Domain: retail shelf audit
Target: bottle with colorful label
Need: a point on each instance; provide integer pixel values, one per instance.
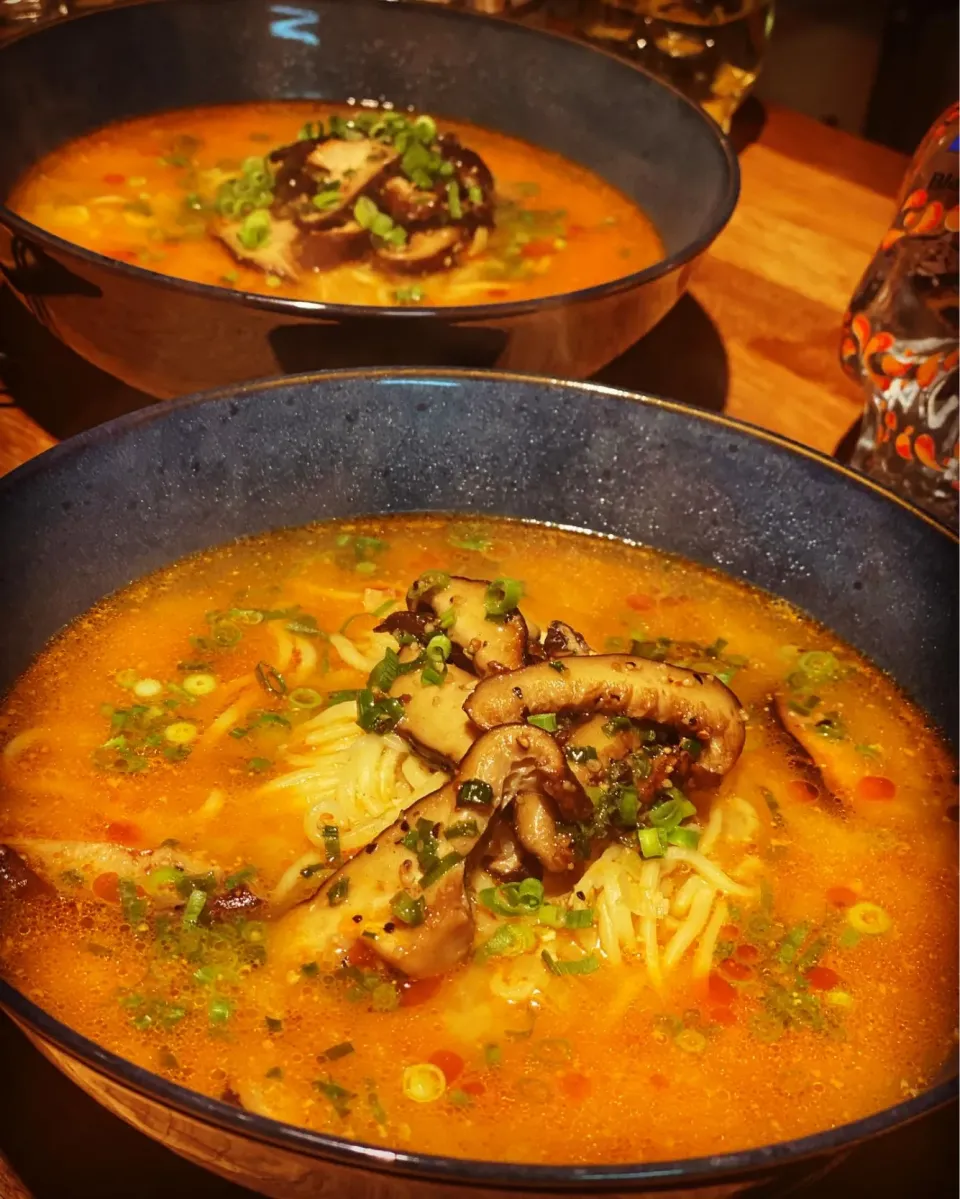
(900, 335)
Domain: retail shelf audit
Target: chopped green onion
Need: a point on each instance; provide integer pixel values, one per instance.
(669, 813)
(331, 843)
(270, 679)
(377, 715)
(335, 1052)
(463, 828)
(305, 697)
(509, 941)
(430, 580)
(339, 1096)
(255, 230)
(385, 673)
(365, 212)
(126, 678)
(442, 866)
(243, 875)
(577, 753)
(424, 1082)
(425, 128)
(274, 1025)
(147, 688)
(474, 793)
(163, 876)
(338, 892)
(493, 1055)
(791, 943)
(454, 206)
(219, 1010)
(628, 805)
(327, 199)
(407, 909)
(513, 899)
(191, 913)
(688, 838)
(820, 666)
(546, 721)
(134, 909)
(650, 844)
(579, 918)
(551, 915)
(691, 746)
(180, 732)
(502, 597)
(869, 918)
(585, 965)
(200, 684)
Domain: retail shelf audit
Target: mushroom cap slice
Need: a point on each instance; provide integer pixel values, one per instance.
(276, 256)
(434, 721)
(365, 885)
(85, 861)
(536, 825)
(425, 251)
(697, 704)
(832, 767)
(486, 646)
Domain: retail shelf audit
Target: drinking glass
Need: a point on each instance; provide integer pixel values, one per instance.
(711, 50)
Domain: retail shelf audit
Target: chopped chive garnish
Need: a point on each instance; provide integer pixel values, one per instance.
(585, 965)
(331, 843)
(463, 828)
(545, 720)
(270, 679)
(440, 868)
(474, 793)
(335, 1052)
(407, 909)
(338, 892)
(502, 597)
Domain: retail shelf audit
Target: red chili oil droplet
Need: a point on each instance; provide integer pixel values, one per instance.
(449, 1062)
(822, 978)
(874, 787)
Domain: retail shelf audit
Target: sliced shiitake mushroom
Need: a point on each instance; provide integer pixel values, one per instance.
(433, 720)
(485, 645)
(698, 705)
(364, 891)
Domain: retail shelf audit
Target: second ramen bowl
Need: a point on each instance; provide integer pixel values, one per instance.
(167, 336)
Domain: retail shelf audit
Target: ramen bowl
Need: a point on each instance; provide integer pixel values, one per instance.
(129, 497)
(167, 336)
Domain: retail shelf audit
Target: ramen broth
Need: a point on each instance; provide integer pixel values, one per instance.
(772, 956)
(149, 191)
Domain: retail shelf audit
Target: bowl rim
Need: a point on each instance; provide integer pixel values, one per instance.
(720, 215)
(435, 1168)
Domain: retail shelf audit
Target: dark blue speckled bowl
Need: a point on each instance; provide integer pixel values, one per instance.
(168, 337)
(109, 506)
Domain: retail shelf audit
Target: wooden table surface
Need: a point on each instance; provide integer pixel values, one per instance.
(758, 335)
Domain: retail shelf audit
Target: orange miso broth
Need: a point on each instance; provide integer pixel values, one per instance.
(747, 934)
(411, 210)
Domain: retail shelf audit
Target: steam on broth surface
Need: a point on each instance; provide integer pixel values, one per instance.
(624, 937)
(337, 204)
